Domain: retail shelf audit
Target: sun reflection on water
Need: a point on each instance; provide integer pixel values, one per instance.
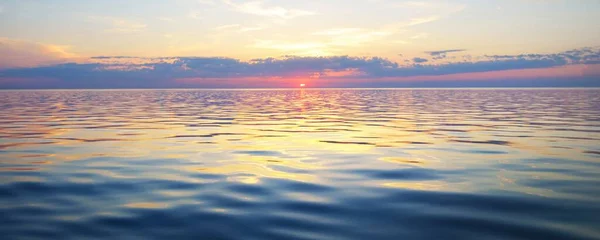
(301, 162)
(302, 135)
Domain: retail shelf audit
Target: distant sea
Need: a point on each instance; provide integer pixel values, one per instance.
(300, 164)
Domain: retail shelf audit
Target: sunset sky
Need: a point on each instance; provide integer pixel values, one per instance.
(283, 43)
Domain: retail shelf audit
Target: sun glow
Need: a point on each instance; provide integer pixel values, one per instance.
(302, 84)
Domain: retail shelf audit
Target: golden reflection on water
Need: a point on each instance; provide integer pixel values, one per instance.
(303, 135)
(257, 170)
(146, 205)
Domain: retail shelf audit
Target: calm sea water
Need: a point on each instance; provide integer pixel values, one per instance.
(300, 164)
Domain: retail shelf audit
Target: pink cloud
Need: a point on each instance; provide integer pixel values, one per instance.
(554, 72)
(19, 53)
(567, 71)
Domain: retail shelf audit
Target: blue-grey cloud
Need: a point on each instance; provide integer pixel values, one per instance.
(434, 53)
(441, 54)
(419, 60)
(125, 71)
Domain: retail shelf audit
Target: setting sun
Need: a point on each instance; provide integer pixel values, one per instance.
(302, 84)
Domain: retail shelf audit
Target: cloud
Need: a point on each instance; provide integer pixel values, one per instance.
(228, 26)
(335, 40)
(337, 31)
(353, 37)
(125, 71)
(423, 20)
(419, 60)
(331, 41)
(359, 38)
(238, 28)
(420, 36)
(295, 48)
(250, 29)
(434, 10)
(122, 25)
(258, 8)
(19, 53)
(126, 26)
(441, 54)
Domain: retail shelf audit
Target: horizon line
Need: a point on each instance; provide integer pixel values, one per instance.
(293, 88)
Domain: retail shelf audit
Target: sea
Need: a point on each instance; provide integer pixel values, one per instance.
(300, 164)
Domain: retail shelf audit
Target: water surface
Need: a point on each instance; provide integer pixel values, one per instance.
(300, 164)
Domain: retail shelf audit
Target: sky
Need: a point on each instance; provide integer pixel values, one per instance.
(284, 43)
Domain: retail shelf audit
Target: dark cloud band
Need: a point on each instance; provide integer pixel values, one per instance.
(148, 72)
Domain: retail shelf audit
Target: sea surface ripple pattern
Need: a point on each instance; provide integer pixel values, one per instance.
(300, 164)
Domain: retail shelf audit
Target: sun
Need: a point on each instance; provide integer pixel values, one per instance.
(302, 84)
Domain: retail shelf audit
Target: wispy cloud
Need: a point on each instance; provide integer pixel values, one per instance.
(346, 37)
(337, 31)
(127, 26)
(354, 36)
(422, 20)
(359, 38)
(333, 41)
(327, 42)
(119, 24)
(295, 48)
(431, 10)
(420, 36)
(19, 53)
(250, 29)
(441, 54)
(259, 9)
(228, 26)
(238, 28)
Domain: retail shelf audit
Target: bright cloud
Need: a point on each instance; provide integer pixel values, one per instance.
(418, 21)
(19, 53)
(291, 48)
(122, 25)
(238, 28)
(258, 8)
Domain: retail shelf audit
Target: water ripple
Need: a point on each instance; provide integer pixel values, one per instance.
(300, 164)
